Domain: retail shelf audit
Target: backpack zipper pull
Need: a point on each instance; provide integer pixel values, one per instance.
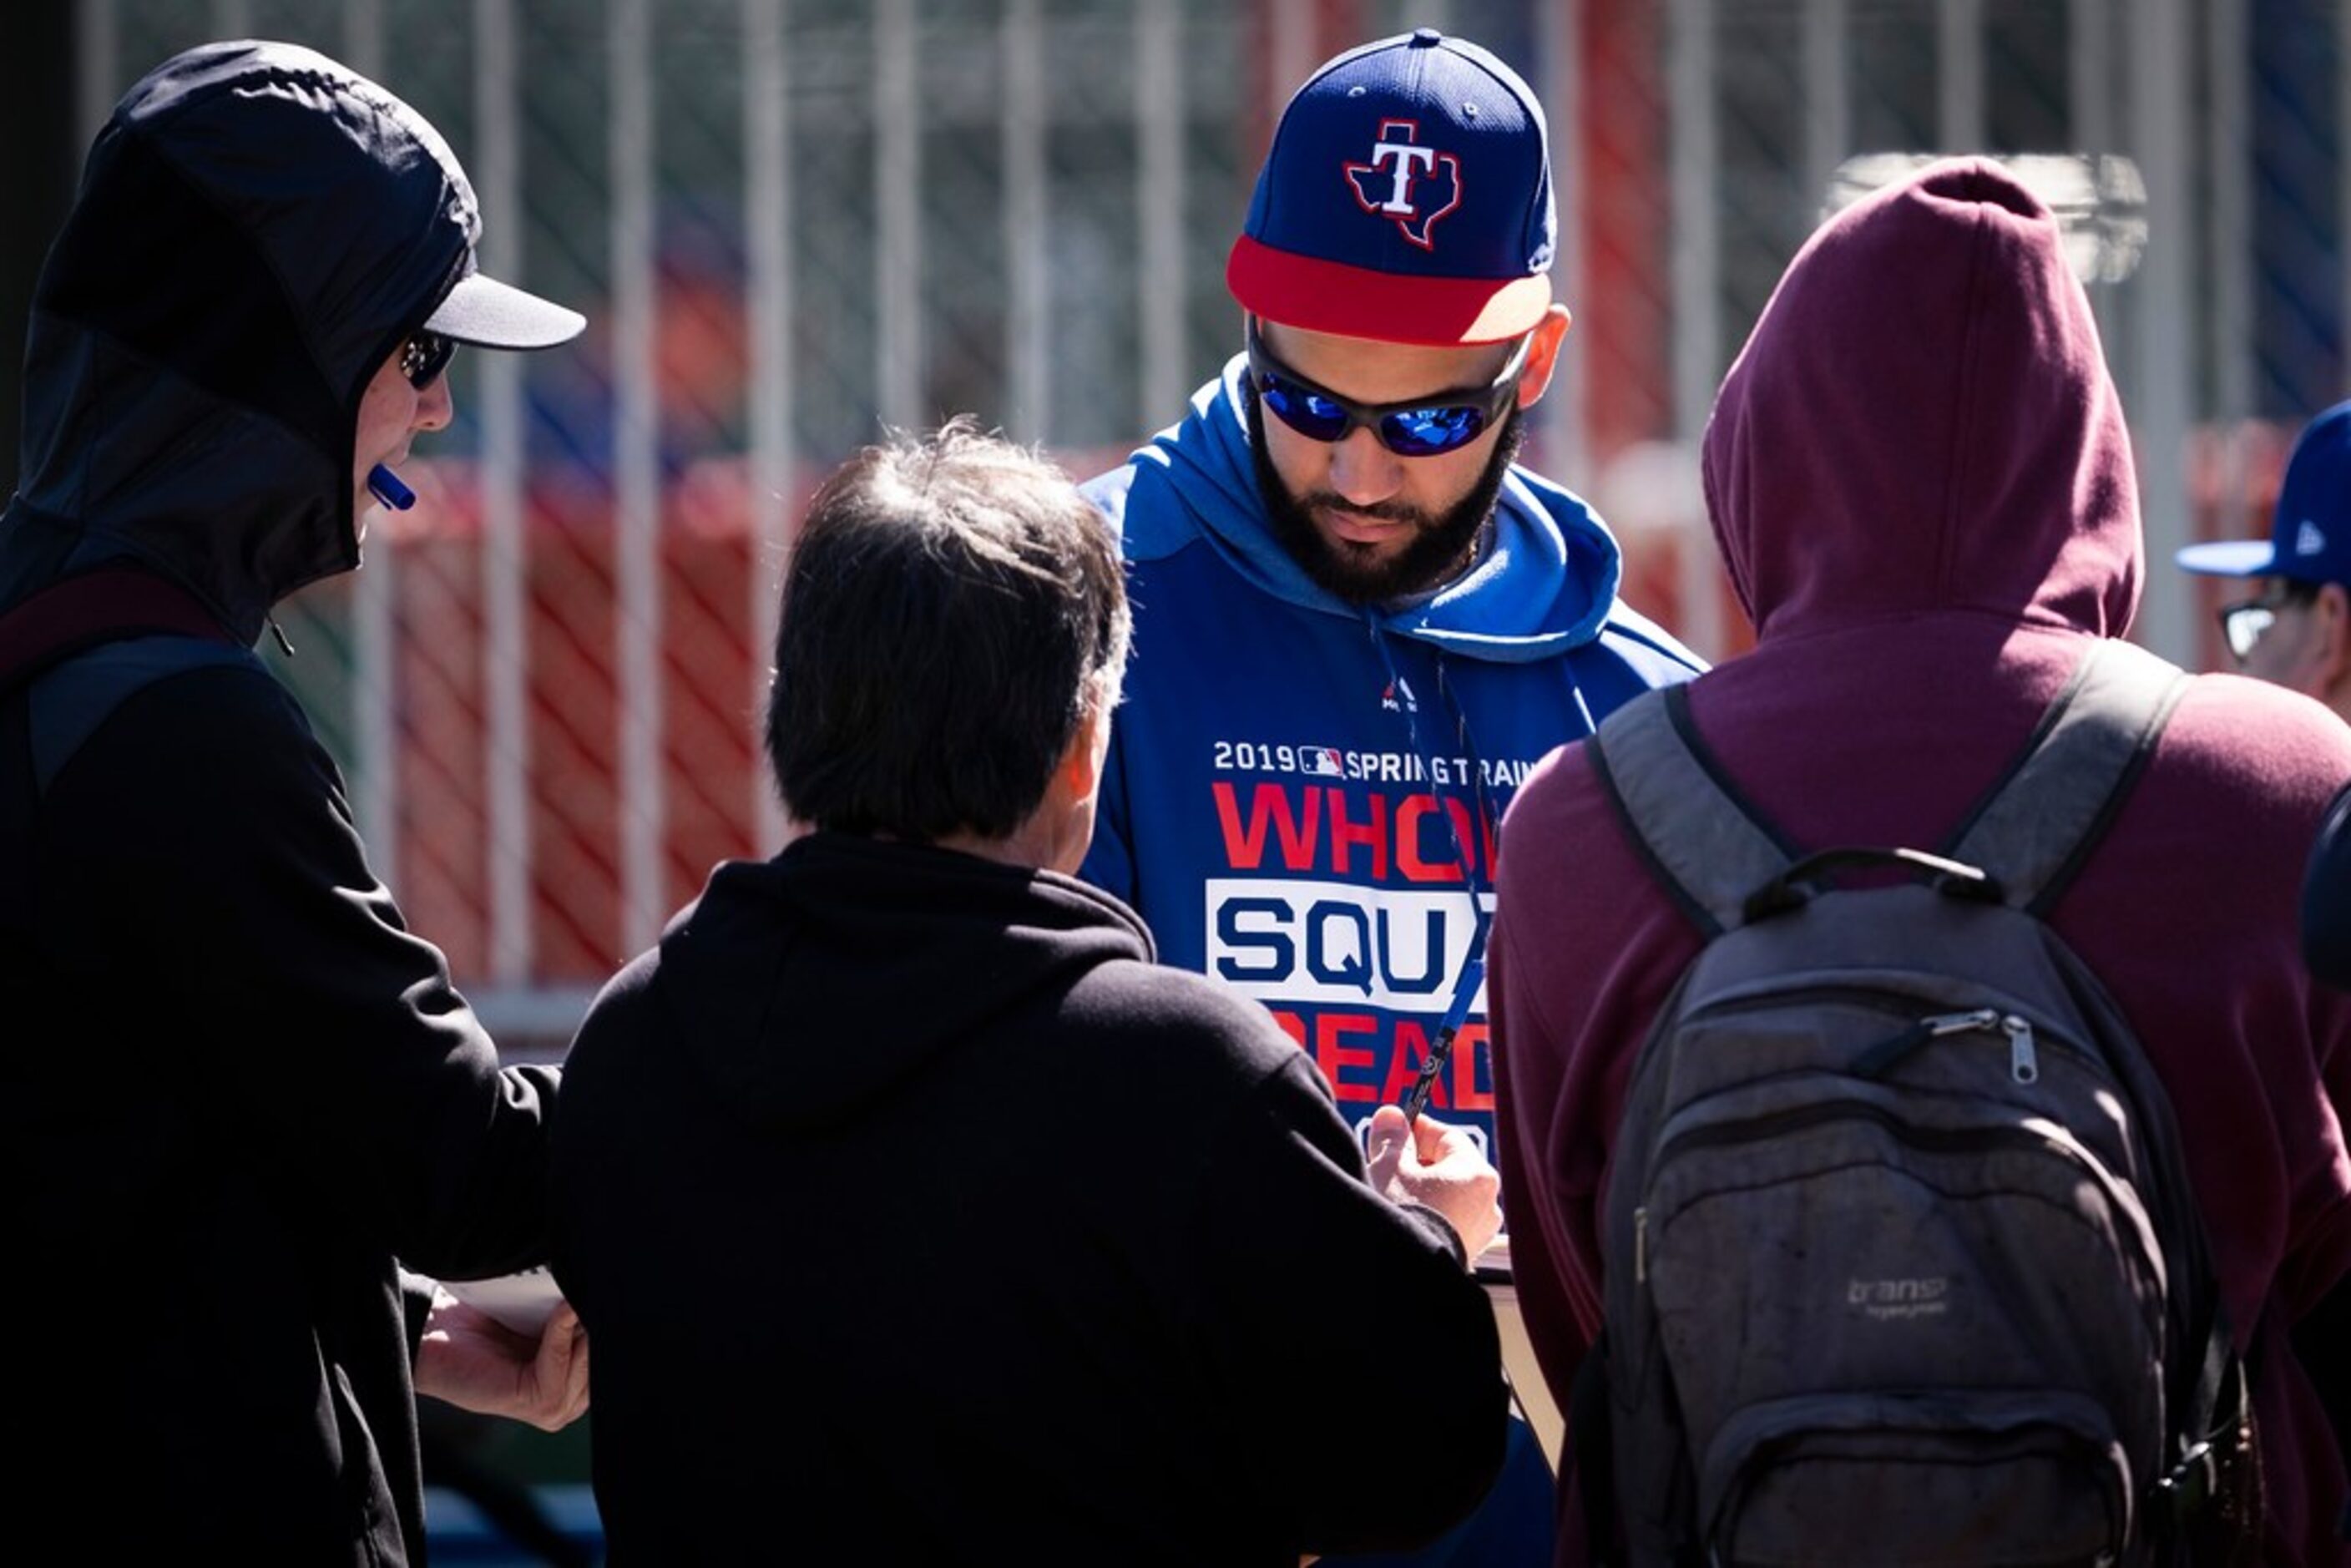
(2024, 1065)
(1880, 1059)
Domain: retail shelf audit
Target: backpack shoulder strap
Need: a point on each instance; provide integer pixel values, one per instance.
(146, 626)
(2036, 826)
(67, 702)
(107, 605)
(1698, 835)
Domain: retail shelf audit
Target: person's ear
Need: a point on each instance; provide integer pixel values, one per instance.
(1543, 355)
(2330, 644)
(1080, 770)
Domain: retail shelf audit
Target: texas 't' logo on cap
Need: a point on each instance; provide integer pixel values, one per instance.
(1388, 134)
(1405, 181)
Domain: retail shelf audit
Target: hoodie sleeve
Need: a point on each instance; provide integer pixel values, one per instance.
(210, 836)
(1359, 1361)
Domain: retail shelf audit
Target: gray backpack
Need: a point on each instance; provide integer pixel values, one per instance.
(1902, 1265)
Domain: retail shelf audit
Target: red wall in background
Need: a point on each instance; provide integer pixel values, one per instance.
(711, 770)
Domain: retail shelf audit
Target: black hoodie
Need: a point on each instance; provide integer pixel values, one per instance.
(917, 1215)
(234, 1087)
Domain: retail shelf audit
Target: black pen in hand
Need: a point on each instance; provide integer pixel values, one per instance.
(1441, 1052)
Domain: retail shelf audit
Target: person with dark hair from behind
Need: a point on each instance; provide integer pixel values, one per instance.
(916, 1215)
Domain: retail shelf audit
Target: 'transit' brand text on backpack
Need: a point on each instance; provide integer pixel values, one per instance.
(1902, 1265)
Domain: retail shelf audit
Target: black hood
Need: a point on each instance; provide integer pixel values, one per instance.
(258, 229)
(807, 987)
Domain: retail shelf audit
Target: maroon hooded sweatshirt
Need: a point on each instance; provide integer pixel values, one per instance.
(1918, 474)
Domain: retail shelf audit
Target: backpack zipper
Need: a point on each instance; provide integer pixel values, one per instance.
(1956, 1140)
(1747, 1129)
(2023, 1064)
(1853, 993)
(2024, 1060)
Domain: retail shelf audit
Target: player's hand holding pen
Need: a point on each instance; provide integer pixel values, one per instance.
(1438, 1166)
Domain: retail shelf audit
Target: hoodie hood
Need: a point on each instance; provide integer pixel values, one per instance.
(1546, 585)
(258, 229)
(808, 987)
(1922, 422)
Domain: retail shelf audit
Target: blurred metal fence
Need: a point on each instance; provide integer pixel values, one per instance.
(793, 221)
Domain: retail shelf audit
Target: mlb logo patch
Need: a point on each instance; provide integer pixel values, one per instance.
(1323, 761)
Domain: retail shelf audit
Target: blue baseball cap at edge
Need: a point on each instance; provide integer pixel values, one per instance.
(2310, 533)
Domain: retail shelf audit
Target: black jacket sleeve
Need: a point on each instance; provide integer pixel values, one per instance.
(222, 852)
(415, 1310)
(2326, 898)
(2322, 1342)
(1365, 1359)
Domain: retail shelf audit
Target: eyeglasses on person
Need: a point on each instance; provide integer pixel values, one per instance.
(424, 356)
(2243, 623)
(1416, 427)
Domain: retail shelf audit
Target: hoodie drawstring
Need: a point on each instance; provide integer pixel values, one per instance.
(1576, 691)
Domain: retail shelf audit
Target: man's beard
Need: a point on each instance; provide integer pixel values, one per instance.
(1440, 547)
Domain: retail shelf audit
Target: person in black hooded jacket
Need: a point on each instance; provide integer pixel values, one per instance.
(235, 1087)
(917, 1215)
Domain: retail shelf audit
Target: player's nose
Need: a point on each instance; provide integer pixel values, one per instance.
(1363, 472)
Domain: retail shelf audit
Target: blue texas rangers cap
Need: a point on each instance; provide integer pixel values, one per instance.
(1406, 198)
(2310, 533)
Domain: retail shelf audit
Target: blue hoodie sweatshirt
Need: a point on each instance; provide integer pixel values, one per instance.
(1295, 783)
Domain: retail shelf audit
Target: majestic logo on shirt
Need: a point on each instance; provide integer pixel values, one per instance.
(2309, 540)
(1396, 697)
(1412, 184)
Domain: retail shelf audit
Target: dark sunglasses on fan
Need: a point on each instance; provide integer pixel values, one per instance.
(424, 356)
(1417, 427)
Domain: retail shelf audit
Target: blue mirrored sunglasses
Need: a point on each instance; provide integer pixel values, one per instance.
(1418, 427)
(424, 356)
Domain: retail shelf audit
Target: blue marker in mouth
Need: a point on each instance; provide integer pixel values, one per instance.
(385, 486)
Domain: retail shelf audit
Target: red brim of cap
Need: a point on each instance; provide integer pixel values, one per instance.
(1389, 307)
